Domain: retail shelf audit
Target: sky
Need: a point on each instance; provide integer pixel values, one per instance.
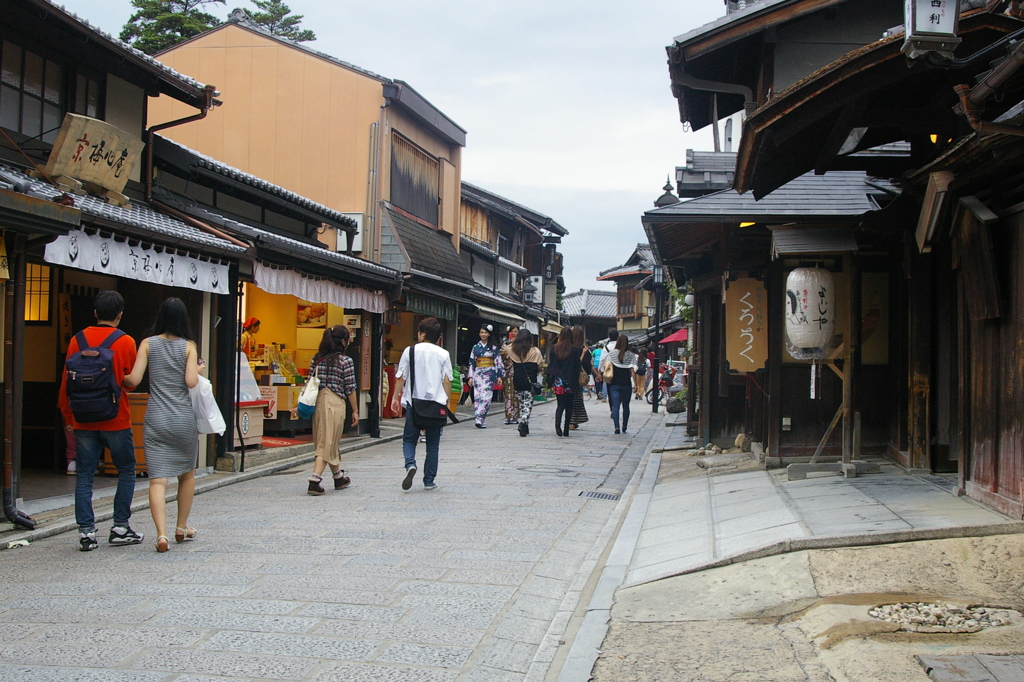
(566, 103)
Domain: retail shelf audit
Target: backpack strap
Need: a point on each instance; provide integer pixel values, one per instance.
(83, 344)
(111, 338)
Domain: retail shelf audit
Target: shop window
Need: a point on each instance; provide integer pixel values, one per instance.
(31, 93)
(627, 302)
(88, 94)
(37, 293)
(415, 180)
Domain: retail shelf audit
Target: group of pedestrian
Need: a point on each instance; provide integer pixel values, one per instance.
(103, 363)
(424, 377)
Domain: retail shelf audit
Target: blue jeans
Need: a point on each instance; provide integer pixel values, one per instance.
(122, 452)
(620, 395)
(410, 437)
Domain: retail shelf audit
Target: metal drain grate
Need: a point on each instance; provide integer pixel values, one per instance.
(600, 496)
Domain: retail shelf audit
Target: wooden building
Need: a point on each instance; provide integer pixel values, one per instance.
(947, 134)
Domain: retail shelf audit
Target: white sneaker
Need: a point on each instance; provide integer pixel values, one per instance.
(72, 468)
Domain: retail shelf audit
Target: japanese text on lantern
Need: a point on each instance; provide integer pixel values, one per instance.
(746, 331)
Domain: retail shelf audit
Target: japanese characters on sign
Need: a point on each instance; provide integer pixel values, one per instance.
(120, 259)
(746, 330)
(94, 151)
(930, 26)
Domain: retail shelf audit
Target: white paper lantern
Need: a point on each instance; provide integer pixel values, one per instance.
(810, 313)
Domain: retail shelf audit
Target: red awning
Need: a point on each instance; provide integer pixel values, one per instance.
(675, 337)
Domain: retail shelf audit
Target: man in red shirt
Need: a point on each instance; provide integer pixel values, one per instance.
(114, 434)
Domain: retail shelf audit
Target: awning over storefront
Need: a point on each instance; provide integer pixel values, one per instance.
(319, 290)
(500, 315)
(798, 241)
(677, 336)
(426, 305)
(552, 327)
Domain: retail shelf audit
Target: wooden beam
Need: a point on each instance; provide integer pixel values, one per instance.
(837, 136)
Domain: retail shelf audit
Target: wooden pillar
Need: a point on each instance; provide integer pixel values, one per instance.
(776, 329)
(850, 341)
(707, 338)
(920, 361)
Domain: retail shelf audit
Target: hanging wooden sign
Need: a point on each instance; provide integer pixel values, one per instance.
(746, 329)
(90, 150)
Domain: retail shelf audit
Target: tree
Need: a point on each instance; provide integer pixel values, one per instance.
(160, 24)
(273, 15)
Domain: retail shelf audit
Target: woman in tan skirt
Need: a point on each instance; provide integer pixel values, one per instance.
(337, 373)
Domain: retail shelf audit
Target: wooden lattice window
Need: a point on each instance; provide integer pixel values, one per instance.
(37, 293)
(415, 180)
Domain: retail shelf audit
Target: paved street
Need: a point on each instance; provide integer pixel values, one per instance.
(475, 581)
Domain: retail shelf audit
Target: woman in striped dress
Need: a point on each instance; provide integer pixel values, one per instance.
(579, 410)
(170, 433)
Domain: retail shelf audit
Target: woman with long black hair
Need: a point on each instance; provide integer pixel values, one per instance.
(525, 359)
(170, 432)
(564, 377)
(579, 410)
(337, 374)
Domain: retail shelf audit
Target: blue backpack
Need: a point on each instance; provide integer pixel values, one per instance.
(94, 393)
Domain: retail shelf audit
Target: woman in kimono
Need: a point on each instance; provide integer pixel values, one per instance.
(485, 368)
(512, 406)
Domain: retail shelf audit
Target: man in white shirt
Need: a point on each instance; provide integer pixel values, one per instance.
(433, 381)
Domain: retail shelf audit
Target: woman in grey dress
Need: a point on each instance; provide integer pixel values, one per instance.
(170, 433)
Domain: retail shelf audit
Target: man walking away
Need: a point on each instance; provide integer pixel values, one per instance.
(433, 381)
(96, 411)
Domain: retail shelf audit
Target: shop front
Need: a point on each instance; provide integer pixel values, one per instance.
(145, 256)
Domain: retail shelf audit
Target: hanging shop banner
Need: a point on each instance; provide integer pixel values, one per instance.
(317, 290)
(746, 331)
(119, 259)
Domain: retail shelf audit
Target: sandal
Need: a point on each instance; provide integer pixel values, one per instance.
(183, 534)
(162, 544)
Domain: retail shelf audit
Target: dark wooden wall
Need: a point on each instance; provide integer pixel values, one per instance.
(992, 378)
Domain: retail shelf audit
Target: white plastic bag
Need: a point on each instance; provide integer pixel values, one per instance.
(307, 398)
(208, 415)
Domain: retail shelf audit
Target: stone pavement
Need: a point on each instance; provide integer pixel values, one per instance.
(477, 580)
(706, 521)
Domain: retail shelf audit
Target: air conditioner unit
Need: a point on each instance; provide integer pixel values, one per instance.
(357, 245)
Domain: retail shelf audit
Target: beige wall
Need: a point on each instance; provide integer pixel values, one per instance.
(298, 121)
(288, 117)
(126, 109)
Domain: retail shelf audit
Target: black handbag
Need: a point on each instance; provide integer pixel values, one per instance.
(426, 414)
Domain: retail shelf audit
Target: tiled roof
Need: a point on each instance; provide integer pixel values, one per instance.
(835, 194)
(595, 303)
(752, 8)
(429, 250)
(640, 262)
(165, 229)
(295, 246)
(128, 52)
(710, 162)
(511, 209)
(164, 147)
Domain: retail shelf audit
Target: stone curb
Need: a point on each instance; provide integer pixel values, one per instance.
(586, 645)
(857, 540)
